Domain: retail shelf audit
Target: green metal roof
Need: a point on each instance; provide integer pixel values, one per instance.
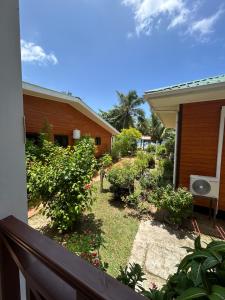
(190, 84)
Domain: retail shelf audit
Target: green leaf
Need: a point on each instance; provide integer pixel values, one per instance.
(217, 246)
(218, 293)
(198, 243)
(195, 274)
(192, 293)
(210, 262)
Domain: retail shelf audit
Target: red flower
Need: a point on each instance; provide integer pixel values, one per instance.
(87, 186)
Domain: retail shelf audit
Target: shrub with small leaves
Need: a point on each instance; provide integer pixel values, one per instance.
(161, 151)
(150, 180)
(178, 203)
(151, 148)
(122, 180)
(132, 200)
(143, 161)
(166, 169)
(126, 142)
(61, 180)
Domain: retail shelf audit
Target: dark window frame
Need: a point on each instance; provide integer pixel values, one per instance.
(98, 141)
(34, 137)
(62, 143)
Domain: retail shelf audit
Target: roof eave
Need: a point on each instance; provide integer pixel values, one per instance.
(34, 90)
(166, 103)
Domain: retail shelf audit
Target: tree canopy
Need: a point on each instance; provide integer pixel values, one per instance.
(127, 113)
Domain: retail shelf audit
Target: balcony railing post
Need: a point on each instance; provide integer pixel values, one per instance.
(9, 275)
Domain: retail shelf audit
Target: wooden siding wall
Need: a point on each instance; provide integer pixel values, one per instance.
(63, 119)
(199, 142)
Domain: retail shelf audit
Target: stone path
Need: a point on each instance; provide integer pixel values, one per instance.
(158, 250)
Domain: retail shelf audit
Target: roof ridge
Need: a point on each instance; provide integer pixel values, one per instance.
(193, 83)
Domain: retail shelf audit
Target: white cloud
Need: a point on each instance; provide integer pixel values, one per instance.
(205, 26)
(148, 15)
(148, 12)
(30, 52)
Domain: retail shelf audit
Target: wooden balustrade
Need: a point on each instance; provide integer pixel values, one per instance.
(50, 271)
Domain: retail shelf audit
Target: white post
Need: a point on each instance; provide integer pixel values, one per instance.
(12, 158)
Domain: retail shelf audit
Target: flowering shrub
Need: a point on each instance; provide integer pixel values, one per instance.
(95, 259)
(61, 180)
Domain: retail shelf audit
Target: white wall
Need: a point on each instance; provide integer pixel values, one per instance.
(12, 160)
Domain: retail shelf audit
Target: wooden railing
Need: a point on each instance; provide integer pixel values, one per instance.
(50, 271)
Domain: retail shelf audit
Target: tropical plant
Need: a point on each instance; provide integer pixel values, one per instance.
(126, 142)
(127, 113)
(132, 276)
(61, 180)
(156, 129)
(178, 203)
(200, 275)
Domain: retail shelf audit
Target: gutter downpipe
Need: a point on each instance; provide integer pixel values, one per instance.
(175, 151)
(220, 143)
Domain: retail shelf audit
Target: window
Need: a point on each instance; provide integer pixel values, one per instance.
(98, 141)
(61, 140)
(33, 137)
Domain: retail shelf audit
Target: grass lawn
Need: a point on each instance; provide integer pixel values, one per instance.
(108, 226)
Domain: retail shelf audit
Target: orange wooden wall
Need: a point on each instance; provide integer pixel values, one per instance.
(63, 119)
(199, 142)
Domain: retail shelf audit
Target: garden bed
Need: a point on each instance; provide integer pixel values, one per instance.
(108, 226)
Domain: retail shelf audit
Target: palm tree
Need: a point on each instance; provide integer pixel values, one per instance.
(129, 108)
(127, 113)
(156, 129)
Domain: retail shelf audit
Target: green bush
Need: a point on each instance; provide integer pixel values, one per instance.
(132, 200)
(151, 148)
(150, 180)
(143, 161)
(126, 142)
(178, 203)
(61, 180)
(169, 142)
(166, 169)
(105, 161)
(161, 151)
(122, 180)
(115, 152)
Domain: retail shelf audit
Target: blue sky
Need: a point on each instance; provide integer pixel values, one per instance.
(94, 47)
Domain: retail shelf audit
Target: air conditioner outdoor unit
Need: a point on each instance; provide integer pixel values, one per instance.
(204, 186)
